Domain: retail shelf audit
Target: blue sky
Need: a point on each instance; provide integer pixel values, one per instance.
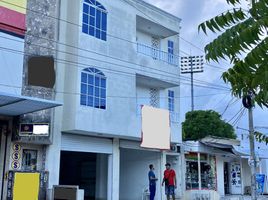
(192, 13)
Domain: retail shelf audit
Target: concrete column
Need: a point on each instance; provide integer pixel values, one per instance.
(220, 175)
(110, 177)
(114, 172)
(162, 167)
(241, 177)
(53, 157)
(199, 171)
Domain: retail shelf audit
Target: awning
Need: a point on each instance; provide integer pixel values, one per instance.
(245, 152)
(222, 143)
(14, 105)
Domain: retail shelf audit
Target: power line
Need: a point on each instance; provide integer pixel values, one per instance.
(229, 104)
(122, 97)
(105, 56)
(242, 113)
(66, 21)
(83, 65)
(173, 77)
(239, 111)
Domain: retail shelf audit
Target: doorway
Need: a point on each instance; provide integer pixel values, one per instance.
(3, 154)
(87, 170)
(226, 178)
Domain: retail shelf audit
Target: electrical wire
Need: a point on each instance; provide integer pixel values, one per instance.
(122, 97)
(183, 77)
(211, 87)
(126, 40)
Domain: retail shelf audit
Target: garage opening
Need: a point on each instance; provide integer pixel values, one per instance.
(87, 170)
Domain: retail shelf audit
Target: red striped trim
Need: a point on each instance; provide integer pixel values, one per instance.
(12, 21)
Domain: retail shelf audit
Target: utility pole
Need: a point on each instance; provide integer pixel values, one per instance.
(253, 160)
(191, 65)
(248, 103)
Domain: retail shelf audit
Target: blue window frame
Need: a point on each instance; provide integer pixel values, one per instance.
(94, 19)
(93, 88)
(170, 51)
(171, 100)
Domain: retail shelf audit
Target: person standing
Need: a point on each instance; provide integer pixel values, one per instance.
(170, 181)
(152, 182)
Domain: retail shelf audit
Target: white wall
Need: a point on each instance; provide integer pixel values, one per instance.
(11, 64)
(118, 60)
(220, 175)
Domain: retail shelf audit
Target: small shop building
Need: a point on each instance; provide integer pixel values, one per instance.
(215, 167)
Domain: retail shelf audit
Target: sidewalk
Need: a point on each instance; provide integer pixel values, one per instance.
(243, 197)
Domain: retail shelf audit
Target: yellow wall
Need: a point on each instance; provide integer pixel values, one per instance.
(16, 5)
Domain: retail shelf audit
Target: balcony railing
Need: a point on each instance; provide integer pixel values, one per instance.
(158, 54)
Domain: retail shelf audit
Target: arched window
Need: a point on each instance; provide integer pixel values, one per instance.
(94, 19)
(93, 88)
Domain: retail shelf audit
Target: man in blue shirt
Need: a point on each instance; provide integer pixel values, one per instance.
(152, 182)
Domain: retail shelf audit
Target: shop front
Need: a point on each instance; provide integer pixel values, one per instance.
(213, 171)
(134, 168)
(23, 147)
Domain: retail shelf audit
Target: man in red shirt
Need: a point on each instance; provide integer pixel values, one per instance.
(170, 181)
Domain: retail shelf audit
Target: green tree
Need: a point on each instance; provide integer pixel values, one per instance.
(243, 41)
(199, 124)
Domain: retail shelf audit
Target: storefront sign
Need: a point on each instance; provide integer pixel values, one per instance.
(260, 179)
(16, 147)
(16, 156)
(15, 165)
(15, 159)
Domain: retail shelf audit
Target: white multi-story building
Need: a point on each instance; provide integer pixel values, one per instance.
(113, 57)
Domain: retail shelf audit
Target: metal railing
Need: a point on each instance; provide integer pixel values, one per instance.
(158, 54)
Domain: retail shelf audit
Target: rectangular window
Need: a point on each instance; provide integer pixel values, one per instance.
(83, 100)
(85, 28)
(85, 18)
(97, 81)
(98, 19)
(90, 89)
(84, 78)
(103, 104)
(103, 93)
(103, 35)
(104, 21)
(29, 160)
(92, 11)
(97, 102)
(92, 21)
(207, 171)
(171, 100)
(93, 90)
(170, 51)
(98, 33)
(91, 30)
(90, 101)
(103, 83)
(85, 8)
(83, 88)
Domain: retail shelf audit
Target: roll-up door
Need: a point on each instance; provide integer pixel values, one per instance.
(78, 143)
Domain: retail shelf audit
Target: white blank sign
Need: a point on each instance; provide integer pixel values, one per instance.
(40, 129)
(155, 128)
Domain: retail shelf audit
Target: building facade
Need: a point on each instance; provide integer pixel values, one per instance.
(25, 114)
(112, 58)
